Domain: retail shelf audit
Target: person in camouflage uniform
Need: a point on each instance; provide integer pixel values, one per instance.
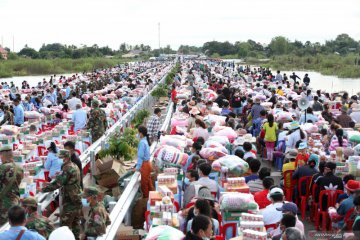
(98, 217)
(69, 182)
(97, 121)
(10, 179)
(36, 222)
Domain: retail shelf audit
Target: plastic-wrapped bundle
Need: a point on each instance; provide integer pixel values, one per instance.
(238, 202)
(357, 149)
(164, 232)
(171, 155)
(311, 128)
(214, 119)
(9, 130)
(284, 117)
(45, 110)
(174, 140)
(227, 132)
(179, 120)
(32, 115)
(235, 165)
(213, 153)
(220, 139)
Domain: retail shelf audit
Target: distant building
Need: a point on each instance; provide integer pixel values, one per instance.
(3, 53)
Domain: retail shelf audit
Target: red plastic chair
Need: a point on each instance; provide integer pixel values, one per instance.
(147, 215)
(177, 206)
(219, 218)
(349, 222)
(219, 238)
(314, 205)
(271, 226)
(331, 196)
(233, 227)
(214, 194)
(304, 198)
(78, 152)
(189, 205)
(289, 190)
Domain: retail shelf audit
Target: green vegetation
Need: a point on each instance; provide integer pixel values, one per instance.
(162, 90)
(27, 66)
(340, 57)
(331, 64)
(121, 145)
(140, 117)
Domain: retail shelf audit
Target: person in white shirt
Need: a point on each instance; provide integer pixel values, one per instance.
(79, 118)
(355, 115)
(73, 102)
(270, 213)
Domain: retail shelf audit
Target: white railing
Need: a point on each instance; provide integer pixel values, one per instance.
(88, 156)
(127, 197)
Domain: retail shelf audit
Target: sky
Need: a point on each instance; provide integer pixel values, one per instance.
(182, 22)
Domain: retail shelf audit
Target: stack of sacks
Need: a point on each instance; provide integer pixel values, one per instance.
(212, 120)
(212, 154)
(179, 120)
(226, 132)
(232, 163)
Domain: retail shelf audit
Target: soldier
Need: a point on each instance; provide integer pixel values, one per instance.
(34, 221)
(98, 218)
(97, 121)
(10, 179)
(69, 182)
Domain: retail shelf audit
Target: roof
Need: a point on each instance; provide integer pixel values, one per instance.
(2, 50)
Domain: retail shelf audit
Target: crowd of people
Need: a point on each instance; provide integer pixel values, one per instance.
(272, 132)
(87, 98)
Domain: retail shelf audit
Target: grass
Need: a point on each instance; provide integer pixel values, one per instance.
(340, 66)
(25, 66)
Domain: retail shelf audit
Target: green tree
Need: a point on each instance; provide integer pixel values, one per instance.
(29, 52)
(279, 45)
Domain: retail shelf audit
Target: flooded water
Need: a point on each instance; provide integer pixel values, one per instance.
(32, 80)
(329, 83)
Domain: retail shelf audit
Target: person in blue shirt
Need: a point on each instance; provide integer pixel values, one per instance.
(26, 104)
(54, 96)
(48, 97)
(67, 91)
(309, 117)
(18, 113)
(195, 151)
(17, 221)
(143, 164)
(79, 118)
(351, 187)
(53, 163)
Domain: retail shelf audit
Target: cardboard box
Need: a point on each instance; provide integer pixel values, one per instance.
(127, 233)
(108, 172)
(242, 189)
(231, 216)
(156, 196)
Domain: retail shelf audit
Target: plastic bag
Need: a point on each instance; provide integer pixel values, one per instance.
(164, 232)
(212, 153)
(32, 115)
(238, 202)
(227, 132)
(174, 140)
(171, 155)
(9, 130)
(235, 165)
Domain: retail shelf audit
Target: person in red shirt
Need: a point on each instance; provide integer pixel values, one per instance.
(261, 197)
(173, 96)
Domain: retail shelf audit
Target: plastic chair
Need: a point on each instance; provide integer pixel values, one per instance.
(348, 221)
(177, 206)
(226, 226)
(303, 198)
(219, 238)
(331, 196)
(78, 152)
(289, 190)
(314, 205)
(271, 226)
(214, 194)
(147, 215)
(219, 218)
(189, 205)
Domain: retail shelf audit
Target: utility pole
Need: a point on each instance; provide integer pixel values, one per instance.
(159, 36)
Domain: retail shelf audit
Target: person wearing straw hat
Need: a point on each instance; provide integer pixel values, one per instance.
(10, 178)
(34, 221)
(69, 183)
(98, 217)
